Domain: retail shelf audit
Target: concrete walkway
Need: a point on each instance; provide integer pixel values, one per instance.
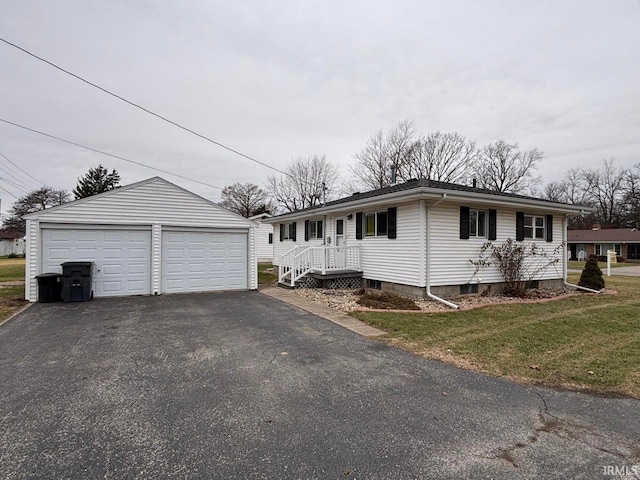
(320, 310)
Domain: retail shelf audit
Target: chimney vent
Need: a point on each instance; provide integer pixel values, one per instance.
(393, 174)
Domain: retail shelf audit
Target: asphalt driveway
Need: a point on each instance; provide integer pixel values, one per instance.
(240, 385)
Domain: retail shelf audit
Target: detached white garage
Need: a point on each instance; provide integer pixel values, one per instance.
(147, 238)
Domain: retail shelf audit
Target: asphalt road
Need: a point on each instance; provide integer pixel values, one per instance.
(240, 385)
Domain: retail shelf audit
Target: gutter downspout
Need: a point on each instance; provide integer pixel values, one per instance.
(428, 255)
(565, 260)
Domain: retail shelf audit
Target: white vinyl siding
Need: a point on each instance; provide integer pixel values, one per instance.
(264, 248)
(392, 260)
(151, 202)
(450, 255)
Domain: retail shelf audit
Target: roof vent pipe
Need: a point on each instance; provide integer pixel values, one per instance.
(474, 183)
(393, 174)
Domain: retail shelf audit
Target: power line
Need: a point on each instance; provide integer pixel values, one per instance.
(146, 110)
(14, 185)
(26, 173)
(12, 176)
(9, 192)
(107, 154)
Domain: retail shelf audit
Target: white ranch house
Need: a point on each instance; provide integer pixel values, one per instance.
(416, 238)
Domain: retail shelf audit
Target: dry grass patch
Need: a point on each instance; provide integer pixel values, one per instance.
(380, 300)
(589, 341)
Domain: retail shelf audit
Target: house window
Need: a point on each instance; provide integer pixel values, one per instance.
(477, 223)
(376, 224)
(534, 227)
(315, 229)
(289, 229)
(601, 249)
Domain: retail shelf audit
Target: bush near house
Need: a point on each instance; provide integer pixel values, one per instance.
(591, 276)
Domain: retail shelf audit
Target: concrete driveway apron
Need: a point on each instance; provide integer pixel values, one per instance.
(241, 385)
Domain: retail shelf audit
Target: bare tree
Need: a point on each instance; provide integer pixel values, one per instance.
(632, 197)
(445, 157)
(502, 167)
(245, 199)
(384, 152)
(605, 189)
(307, 183)
(34, 201)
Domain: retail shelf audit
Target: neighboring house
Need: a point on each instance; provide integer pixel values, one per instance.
(625, 241)
(11, 243)
(264, 238)
(151, 237)
(418, 237)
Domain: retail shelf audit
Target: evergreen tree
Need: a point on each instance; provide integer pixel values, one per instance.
(591, 276)
(96, 180)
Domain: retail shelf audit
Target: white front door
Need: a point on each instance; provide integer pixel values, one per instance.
(340, 260)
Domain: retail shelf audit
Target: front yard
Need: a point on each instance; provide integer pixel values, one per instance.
(587, 342)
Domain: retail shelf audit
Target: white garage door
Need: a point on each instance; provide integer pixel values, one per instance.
(122, 258)
(203, 261)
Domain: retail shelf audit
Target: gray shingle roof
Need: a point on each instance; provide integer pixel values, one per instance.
(609, 235)
(418, 184)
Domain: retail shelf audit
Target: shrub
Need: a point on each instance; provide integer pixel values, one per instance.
(591, 276)
(13, 255)
(519, 264)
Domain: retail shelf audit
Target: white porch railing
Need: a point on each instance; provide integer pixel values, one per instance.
(299, 261)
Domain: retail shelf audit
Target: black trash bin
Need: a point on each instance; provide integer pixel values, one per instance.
(49, 287)
(76, 281)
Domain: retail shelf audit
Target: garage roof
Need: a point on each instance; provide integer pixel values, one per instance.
(154, 200)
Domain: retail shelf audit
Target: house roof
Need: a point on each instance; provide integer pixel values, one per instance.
(260, 216)
(610, 235)
(425, 187)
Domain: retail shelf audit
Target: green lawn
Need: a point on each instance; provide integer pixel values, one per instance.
(11, 297)
(589, 342)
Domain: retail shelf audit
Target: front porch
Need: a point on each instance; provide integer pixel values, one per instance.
(321, 266)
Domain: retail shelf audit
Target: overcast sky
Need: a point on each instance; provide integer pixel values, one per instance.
(281, 79)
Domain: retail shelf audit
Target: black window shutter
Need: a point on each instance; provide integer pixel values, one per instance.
(359, 220)
(293, 231)
(282, 231)
(319, 231)
(519, 226)
(392, 222)
(306, 230)
(549, 228)
(270, 238)
(464, 223)
(493, 224)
